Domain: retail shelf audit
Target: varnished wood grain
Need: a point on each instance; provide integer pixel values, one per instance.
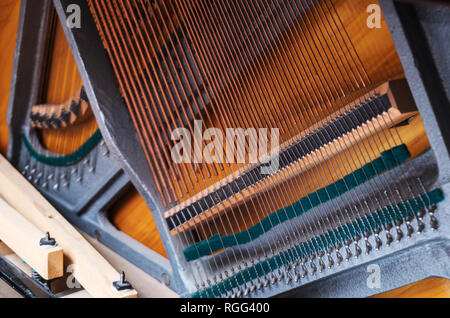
(428, 288)
(62, 83)
(132, 216)
(46, 260)
(9, 19)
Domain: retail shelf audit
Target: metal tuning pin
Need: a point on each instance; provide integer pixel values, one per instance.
(378, 242)
(434, 224)
(399, 233)
(358, 250)
(339, 258)
(368, 246)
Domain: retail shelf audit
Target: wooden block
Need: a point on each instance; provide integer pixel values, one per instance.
(147, 286)
(4, 249)
(23, 238)
(91, 270)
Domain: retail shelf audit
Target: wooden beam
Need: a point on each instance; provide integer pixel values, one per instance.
(91, 270)
(23, 238)
(4, 249)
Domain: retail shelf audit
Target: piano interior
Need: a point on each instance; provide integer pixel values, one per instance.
(251, 148)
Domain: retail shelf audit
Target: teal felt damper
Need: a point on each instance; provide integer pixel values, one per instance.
(344, 233)
(388, 160)
(66, 160)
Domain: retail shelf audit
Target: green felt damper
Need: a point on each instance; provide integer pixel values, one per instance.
(388, 160)
(353, 229)
(65, 160)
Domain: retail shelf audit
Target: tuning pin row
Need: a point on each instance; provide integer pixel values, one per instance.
(335, 255)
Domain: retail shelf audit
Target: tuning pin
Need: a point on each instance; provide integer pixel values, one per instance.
(378, 230)
(321, 266)
(259, 285)
(399, 234)
(297, 276)
(274, 280)
(339, 258)
(330, 261)
(378, 242)
(288, 279)
(330, 250)
(357, 250)
(368, 247)
(433, 222)
(348, 253)
(313, 268)
(105, 151)
(420, 225)
(389, 238)
(280, 275)
(409, 229)
(304, 271)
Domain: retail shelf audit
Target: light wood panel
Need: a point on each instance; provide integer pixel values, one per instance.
(93, 272)
(23, 237)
